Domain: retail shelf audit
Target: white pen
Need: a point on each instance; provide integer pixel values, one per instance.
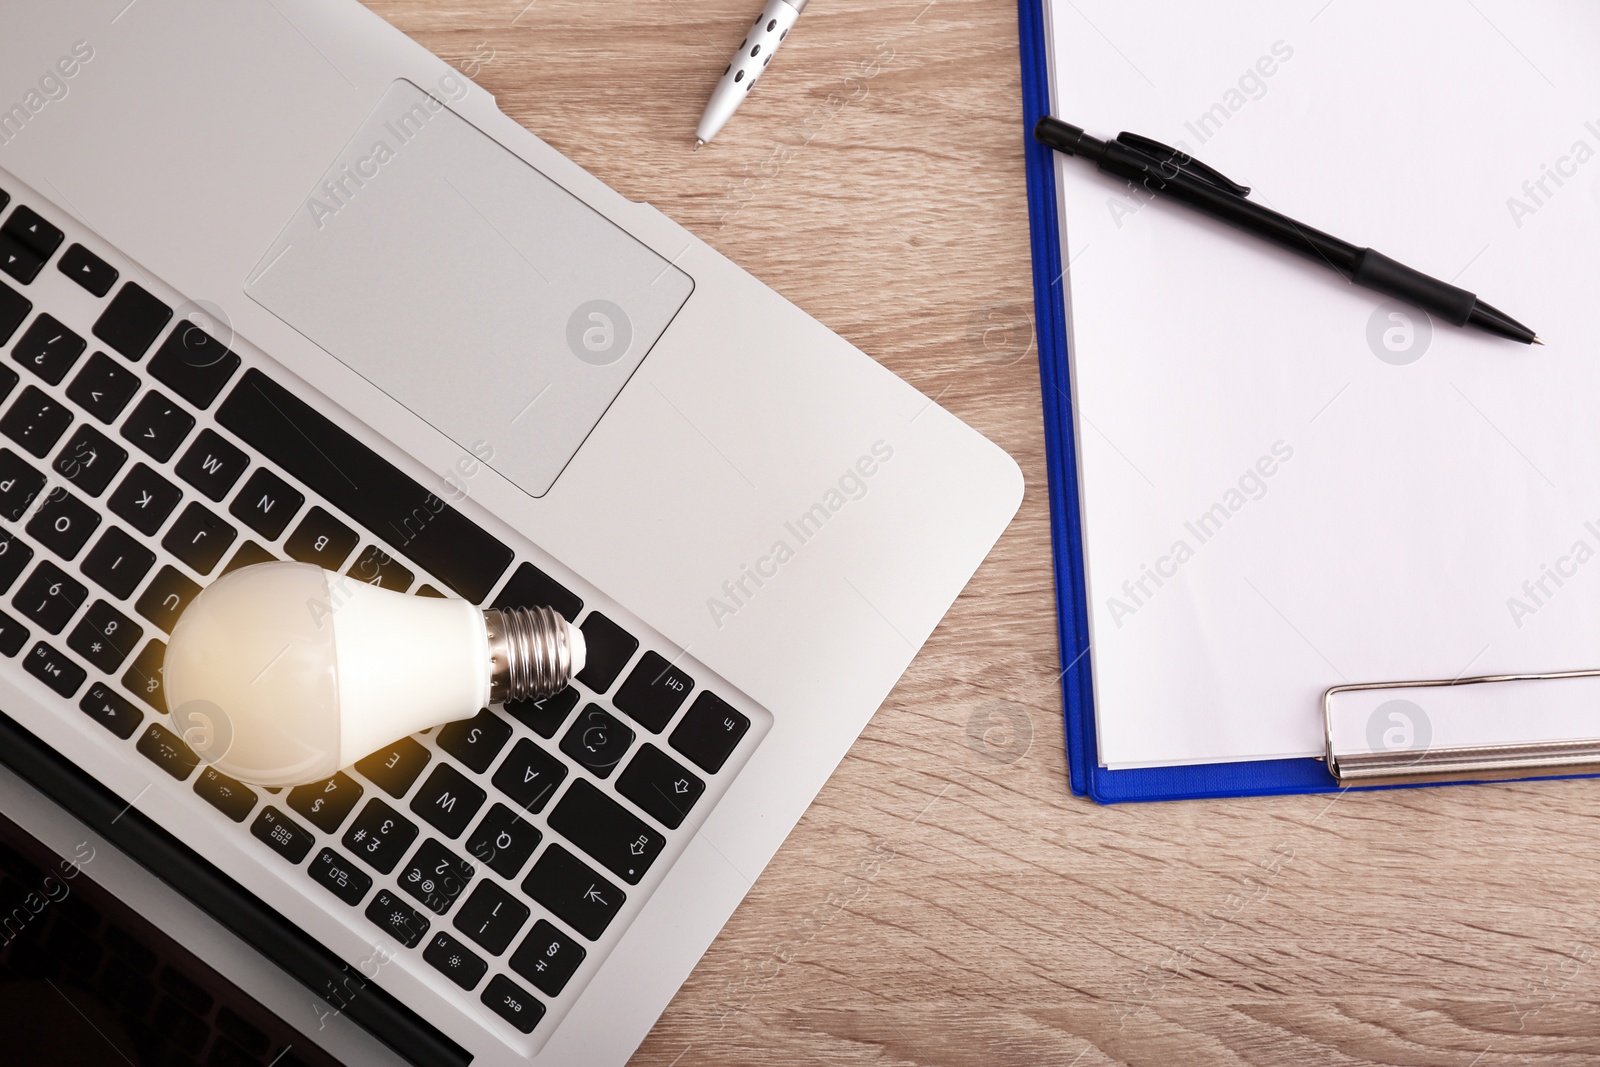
(751, 58)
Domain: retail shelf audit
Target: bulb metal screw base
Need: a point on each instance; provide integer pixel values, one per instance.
(530, 653)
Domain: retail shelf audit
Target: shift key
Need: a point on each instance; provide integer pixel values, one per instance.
(607, 831)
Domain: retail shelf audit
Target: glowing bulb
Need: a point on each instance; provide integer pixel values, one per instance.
(282, 673)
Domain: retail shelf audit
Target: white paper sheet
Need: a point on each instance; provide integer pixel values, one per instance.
(1388, 498)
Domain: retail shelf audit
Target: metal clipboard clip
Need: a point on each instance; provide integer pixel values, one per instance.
(1465, 729)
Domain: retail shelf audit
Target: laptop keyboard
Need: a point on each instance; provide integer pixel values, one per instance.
(141, 457)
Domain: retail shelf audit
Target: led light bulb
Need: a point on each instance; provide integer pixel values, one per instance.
(282, 673)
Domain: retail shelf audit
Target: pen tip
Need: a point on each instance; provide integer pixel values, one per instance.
(1537, 341)
(697, 143)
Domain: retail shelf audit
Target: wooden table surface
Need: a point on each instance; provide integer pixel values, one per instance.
(946, 900)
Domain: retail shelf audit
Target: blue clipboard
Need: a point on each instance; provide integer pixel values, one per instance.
(1253, 778)
(1088, 778)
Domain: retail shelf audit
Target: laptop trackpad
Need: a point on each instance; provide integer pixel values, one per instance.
(469, 287)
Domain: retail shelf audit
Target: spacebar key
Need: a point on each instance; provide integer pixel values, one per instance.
(364, 485)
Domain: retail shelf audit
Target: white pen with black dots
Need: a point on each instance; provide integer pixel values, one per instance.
(751, 58)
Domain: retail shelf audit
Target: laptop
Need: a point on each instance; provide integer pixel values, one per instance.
(275, 282)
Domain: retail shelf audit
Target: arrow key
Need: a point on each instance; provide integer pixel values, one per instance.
(659, 784)
(88, 270)
(18, 260)
(620, 840)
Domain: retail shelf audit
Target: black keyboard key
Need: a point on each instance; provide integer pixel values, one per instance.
(88, 270)
(54, 669)
(476, 741)
(118, 562)
(13, 635)
(212, 464)
(249, 554)
(380, 836)
(144, 499)
(659, 786)
(340, 877)
(30, 228)
(622, 842)
(547, 958)
(18, 260)
(709, 732)
(325, 804)
(63, 523)
(90, 459)
(531, 587)
(157, 425)
(448, 800)
(573, 892)
(376, 567)
(14, 307)
(104, 636)
(544, 717)
(132, 321)
(164, 599)
(397, 918)
(48, 349)
(455, 960)
(435, 876)
(491, 917)
(503, 841)
(50, 596)
(427, 590)
(199, 538)
(368, 488)
(169, 752)
(598, 740)
(653, 693)
(111, 711)
(19, 485)
(266, 503)
(321, 539)
(282, 834)
(193, 364)
(35, 421)
(529, 776)
(512, 1004)
(610, 647)
(144, 679)
(393, 769)
(233, 798)
(14, 557)
(103, 388)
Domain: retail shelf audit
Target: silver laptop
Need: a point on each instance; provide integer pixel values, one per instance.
(275, 282)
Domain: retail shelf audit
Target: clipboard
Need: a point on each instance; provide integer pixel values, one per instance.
(1568, 745)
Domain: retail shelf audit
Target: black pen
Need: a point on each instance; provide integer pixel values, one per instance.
(1169, 172)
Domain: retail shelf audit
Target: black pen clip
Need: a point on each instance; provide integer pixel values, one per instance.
(1165, 155)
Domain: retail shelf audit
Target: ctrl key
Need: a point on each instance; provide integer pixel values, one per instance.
(507, 1000)
(281, 834)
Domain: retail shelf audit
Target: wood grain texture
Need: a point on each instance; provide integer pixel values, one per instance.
(946, 901)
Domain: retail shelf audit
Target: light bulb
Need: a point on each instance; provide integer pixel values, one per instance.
(282, 673)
